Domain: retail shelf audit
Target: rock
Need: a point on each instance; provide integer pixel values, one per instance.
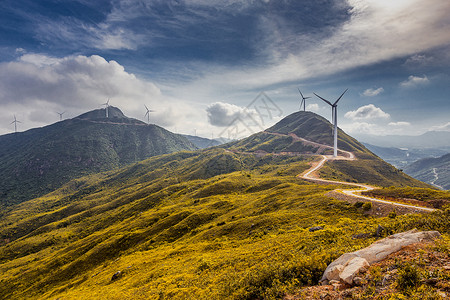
(385, 280)
(312, 229)
(352, 268)
(332, 282)
(361, 236)
(348, 265)
(379, 231)
(357, 281)
(334, 273)
(116, 276)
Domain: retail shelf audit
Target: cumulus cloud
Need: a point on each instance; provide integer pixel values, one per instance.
(399, 124)
(373, 92)
(367, 112)
(224, 114)
(363, 128)
(73, 80)
(414, 81)
(313, 107)
(39, 85)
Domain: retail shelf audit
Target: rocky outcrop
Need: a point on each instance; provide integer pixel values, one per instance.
(348, 265)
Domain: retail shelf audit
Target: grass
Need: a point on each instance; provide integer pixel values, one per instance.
(205, 225)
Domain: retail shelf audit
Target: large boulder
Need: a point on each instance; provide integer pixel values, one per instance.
(348, 265)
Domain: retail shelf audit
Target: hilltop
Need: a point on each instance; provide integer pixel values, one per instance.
(37, 161)
(282, 138)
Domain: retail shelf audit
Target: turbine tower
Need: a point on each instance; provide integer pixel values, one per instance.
(106, 107)
(147, 114)
(60, 115)
(334, 118)
(303, 101)
(15, 123)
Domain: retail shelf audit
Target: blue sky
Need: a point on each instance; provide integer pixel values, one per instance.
(199, 63)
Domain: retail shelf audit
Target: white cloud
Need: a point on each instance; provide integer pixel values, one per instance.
(443, 127)
(377, 31)
(224, 114)
(419, 60)
(373, 92)
(414, 81)
(367, 112)
(399, 124)
(363, 128)
(313, 107)
(36, 86)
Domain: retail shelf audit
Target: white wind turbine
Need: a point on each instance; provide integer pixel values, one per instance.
(106, 104)
(334, 118)
(60, 115)
(147, 114)
(303, 101)
(15, 123)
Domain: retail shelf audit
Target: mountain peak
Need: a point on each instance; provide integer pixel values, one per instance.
(113, 112)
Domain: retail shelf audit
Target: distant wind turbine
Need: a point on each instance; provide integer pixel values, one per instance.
(147, 114)
(106, 107)
(60, 115)
(303, 101)
(15, 123)
(334, 118)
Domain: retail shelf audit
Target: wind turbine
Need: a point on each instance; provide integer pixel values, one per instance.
(15, 123)
(106, 107)
(334, 117)
(147, 114)
(60, 115)
(303, 101)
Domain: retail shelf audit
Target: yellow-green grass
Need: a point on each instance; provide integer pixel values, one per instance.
(237, 229)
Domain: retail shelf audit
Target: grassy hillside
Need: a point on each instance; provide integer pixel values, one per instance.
(37, 161)
(367, 169)
(199, 225)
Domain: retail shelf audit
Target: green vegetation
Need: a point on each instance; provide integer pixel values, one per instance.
(203, 225)
(370, 170)
(423, 194)
(38, 161)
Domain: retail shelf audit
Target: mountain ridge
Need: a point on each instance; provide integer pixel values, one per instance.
(39, 160)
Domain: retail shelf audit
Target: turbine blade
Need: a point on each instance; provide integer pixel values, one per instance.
(306, 98)
(301, 93)
(146, 107)
(323, 99)
(339, 98)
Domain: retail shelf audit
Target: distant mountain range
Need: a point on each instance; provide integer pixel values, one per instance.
(430, 139)
(435, 171)
(202, 143)
(37, 161)
(403, 157)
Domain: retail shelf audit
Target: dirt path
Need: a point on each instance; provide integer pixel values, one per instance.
(311, 175)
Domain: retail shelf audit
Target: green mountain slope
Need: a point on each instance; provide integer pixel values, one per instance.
(434, 171)
(368, 168)
(202, 225)
(37, 161)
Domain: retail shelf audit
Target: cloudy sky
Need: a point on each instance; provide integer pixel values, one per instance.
(200, 64)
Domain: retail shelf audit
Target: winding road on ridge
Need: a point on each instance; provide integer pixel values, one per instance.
(311, 175)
